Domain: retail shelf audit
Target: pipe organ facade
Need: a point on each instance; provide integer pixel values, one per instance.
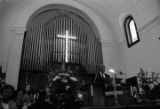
(42, 47)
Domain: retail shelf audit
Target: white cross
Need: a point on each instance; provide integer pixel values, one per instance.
(67, 37)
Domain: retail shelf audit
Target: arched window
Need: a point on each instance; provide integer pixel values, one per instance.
(132, 36)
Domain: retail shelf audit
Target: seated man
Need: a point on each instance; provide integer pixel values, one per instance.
(153, 92)
(44, 100)
(158, 89)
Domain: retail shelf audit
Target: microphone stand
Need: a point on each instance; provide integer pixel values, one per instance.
(95, 78)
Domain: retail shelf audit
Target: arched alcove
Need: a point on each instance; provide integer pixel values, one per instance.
(22, 16)
(42, 47)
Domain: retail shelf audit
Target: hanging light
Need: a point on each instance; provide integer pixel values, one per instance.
(111, 70)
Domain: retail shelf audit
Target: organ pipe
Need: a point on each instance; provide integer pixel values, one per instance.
(42, 47)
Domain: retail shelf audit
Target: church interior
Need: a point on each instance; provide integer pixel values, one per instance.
(79, 54)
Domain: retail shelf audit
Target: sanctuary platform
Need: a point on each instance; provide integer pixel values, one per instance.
(126, 107)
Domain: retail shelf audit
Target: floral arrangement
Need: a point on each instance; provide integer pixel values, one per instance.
(62, 81)
(145, 80)
(64, 88)
(143, 77)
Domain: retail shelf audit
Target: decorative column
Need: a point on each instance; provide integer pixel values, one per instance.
(15, 52)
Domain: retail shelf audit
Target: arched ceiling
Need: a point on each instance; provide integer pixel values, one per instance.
(5, 4)
(144, 11)
(107, 8)
(110, 8)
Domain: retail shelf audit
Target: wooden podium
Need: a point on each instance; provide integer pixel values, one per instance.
(86, 89)
(98, 96)
(93, 95)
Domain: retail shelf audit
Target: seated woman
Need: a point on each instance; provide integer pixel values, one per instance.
(27, 90)
(8, 93)
(28, 96)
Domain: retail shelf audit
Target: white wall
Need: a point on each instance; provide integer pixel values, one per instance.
(5, 34)
(17, 16)
(116, 54)
(145, 54)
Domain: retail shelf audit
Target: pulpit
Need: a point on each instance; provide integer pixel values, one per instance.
(86, 90)
(98, 93)
(98, 96)
(93, 95)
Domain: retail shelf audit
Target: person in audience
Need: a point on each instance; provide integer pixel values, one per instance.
(133, 94)
(2, 83)
(28, 97)
(45, 99)
(8, 94)
(153, 92)
(35, 94)
(48, 95)
(158, 89)
(27, 90)
(20, 99)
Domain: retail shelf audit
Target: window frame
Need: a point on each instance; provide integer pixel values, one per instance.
(128, 34)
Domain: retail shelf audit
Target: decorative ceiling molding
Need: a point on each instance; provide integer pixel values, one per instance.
(105, 43)
(18, 30)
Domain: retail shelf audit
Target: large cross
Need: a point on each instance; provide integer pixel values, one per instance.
(67, 37)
